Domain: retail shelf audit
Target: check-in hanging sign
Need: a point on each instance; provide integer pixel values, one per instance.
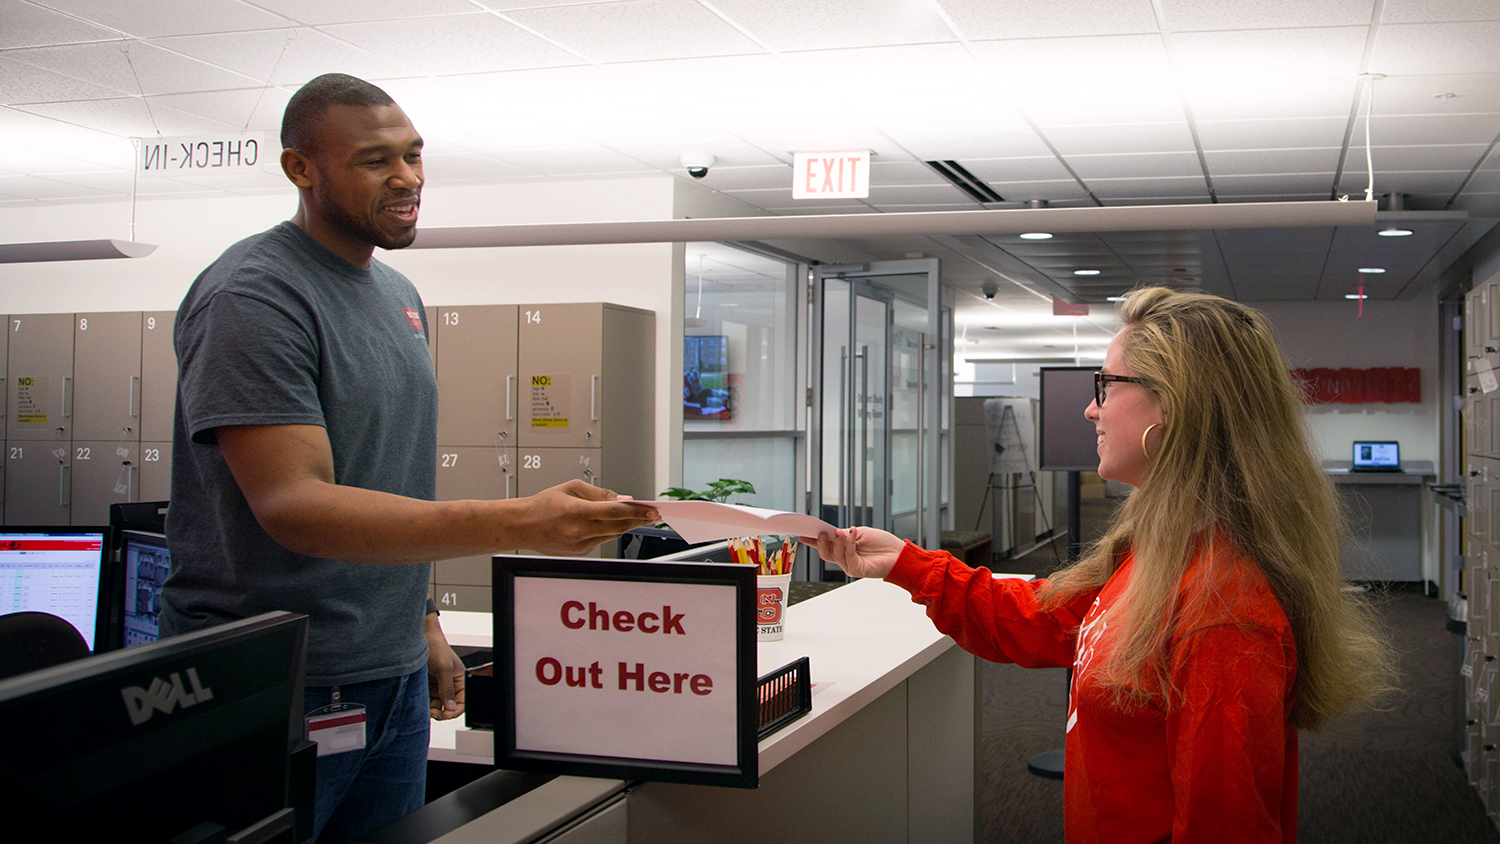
(843, 174)
(200, 155)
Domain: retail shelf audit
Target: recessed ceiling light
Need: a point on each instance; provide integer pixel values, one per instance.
(1036, 236)
(1393, 231)
(1114, 298)
(1356, 296)
(1372, 270)
(1085, 272)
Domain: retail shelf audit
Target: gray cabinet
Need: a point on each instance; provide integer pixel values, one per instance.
(158, 377)
(107, 377)
(476, 369)
(39, 377)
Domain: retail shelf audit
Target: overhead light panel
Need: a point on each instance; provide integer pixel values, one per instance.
(1114, 298)
(72, 250)
(1356, 296)
(1372, 270)
(1085, 272)
(1394, 231)
(1036, 236)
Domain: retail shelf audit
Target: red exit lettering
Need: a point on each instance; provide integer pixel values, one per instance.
(831, 174)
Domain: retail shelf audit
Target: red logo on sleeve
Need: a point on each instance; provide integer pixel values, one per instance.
(414, 317)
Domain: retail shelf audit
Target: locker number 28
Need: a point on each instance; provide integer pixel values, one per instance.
(531, 461)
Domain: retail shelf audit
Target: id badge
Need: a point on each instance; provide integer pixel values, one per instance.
(337, 728)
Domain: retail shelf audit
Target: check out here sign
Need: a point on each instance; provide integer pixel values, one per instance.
(831, 175)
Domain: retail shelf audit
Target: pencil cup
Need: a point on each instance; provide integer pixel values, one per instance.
(770, 605)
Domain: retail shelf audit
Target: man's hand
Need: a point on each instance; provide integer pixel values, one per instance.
(445, 673)
(574, 517)
(860, 551)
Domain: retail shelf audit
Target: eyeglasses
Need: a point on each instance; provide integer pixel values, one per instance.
(1101, 379)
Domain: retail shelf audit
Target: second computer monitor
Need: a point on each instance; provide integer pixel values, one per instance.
(145, 560)
(59, 570)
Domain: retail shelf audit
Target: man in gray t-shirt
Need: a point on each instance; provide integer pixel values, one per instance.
(304, 453)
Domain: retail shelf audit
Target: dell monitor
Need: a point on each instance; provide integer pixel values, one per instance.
(62, 571)
(193, 738)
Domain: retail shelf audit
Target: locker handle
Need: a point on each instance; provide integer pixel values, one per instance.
(1489, 659)
(508, 494)
(130, 484)
(134, 379)
(1489, 350)
(67, 396)
(1489, 747)
(593, 394)
(510, 386)
(62, 486)
(1472, 721)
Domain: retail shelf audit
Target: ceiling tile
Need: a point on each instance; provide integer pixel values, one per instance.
(1052, 63)
(1054, 190)
(1434, 11)
(1247, 98)
(233, 108)
(1032, 169)
(1121, 138)
(1264, 14)
(1269, 54)
(455, 44)
(1301, 184)
(29, 25)
(129, 118)
(963, 146)
(775, 177)
(729, 152)
(349, 11)
(1089, 167)
(143, 69)
(986, 19)
(1429, 129)
(1427, 94)
(1109, 189)
(937, 85)
(40, 162)
(637, 30)
(441, 169)
(1295, 133)
(1102, 104)
(24, 83)
(573, 162)
(881, 195)
(1415, 158)
(36, 187)
(1435, 182)
(1250, 162)
(170, 17)
(904, 173)
(786, 25)
(1485, 181)
(285, 56)
(1422, 48)
(1479, 204)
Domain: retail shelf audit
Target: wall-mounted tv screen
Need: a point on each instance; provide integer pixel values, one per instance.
(706, 389)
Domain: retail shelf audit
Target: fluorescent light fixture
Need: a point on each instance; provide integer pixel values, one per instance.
(1114, 298)
(1036, 236)
(1023, 221)
(1085, 272)
(1394, 231)
(1372, 270)
(1356, 296)
(72, 250)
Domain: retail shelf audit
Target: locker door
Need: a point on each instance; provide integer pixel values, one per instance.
(463, 473)
(1490, 346)
(158, 378)
(540, 468)
(476, 372)
(1476, 314)
(107, 377)
(156, 471)
(104, 473)
(431, 312)
(39, 377)
(561, 369)
(38, 489)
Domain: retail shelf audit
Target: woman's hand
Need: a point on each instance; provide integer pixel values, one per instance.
(859, 551)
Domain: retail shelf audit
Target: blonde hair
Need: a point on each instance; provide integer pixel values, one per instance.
(1234, 465)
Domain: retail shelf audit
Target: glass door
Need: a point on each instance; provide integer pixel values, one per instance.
(878, 397)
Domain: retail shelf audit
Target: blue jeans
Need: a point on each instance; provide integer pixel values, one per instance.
(360, 791)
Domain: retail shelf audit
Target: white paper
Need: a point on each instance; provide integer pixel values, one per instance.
(1487, 382)
(705, 521)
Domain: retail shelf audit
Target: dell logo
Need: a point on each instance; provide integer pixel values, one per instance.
(164, 696)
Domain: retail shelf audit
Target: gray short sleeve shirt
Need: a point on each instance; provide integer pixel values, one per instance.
(280, 331)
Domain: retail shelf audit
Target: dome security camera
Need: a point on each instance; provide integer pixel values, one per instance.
(697, 163)
(989, 289)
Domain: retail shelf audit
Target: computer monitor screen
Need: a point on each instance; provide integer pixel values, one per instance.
(58, 570)
(1377, 455)
(188, 738)
(145, 560)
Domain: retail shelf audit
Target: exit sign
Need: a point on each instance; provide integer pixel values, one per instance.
(831, 175)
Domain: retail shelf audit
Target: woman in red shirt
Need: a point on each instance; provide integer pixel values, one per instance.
(1210, 623)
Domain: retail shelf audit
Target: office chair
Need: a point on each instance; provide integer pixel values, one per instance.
(34, 640)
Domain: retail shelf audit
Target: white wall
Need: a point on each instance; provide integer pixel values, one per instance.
(191, 233)
(1332, 334)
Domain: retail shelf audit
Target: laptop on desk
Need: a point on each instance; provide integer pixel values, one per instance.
(1376, 456)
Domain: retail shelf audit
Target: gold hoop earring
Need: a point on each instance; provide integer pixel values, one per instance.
(1146, 433)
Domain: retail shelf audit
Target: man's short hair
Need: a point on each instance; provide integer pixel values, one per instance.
(299, 124)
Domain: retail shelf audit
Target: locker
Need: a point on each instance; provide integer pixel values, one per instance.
(1490, 344)
(156, 471)
(39, 378)
(107, 377)
(38, 486)
(1472, 753)
(465, 598)
(1480, 589)
(1476, 317)
(468, 472)
(158, 378)
(431, 312)
(587, 375)
(476, 372)
(104, 473)
(540, 468)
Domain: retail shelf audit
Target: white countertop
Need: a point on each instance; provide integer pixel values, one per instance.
(862, 639)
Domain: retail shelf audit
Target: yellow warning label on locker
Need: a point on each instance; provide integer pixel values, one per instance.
(551, 401)
(31, 400)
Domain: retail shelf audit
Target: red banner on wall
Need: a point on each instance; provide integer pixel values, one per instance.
(1388, 385)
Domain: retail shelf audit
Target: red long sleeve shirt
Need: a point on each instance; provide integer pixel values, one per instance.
(1219, 765)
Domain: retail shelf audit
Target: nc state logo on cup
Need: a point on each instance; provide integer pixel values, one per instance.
(768, 610)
